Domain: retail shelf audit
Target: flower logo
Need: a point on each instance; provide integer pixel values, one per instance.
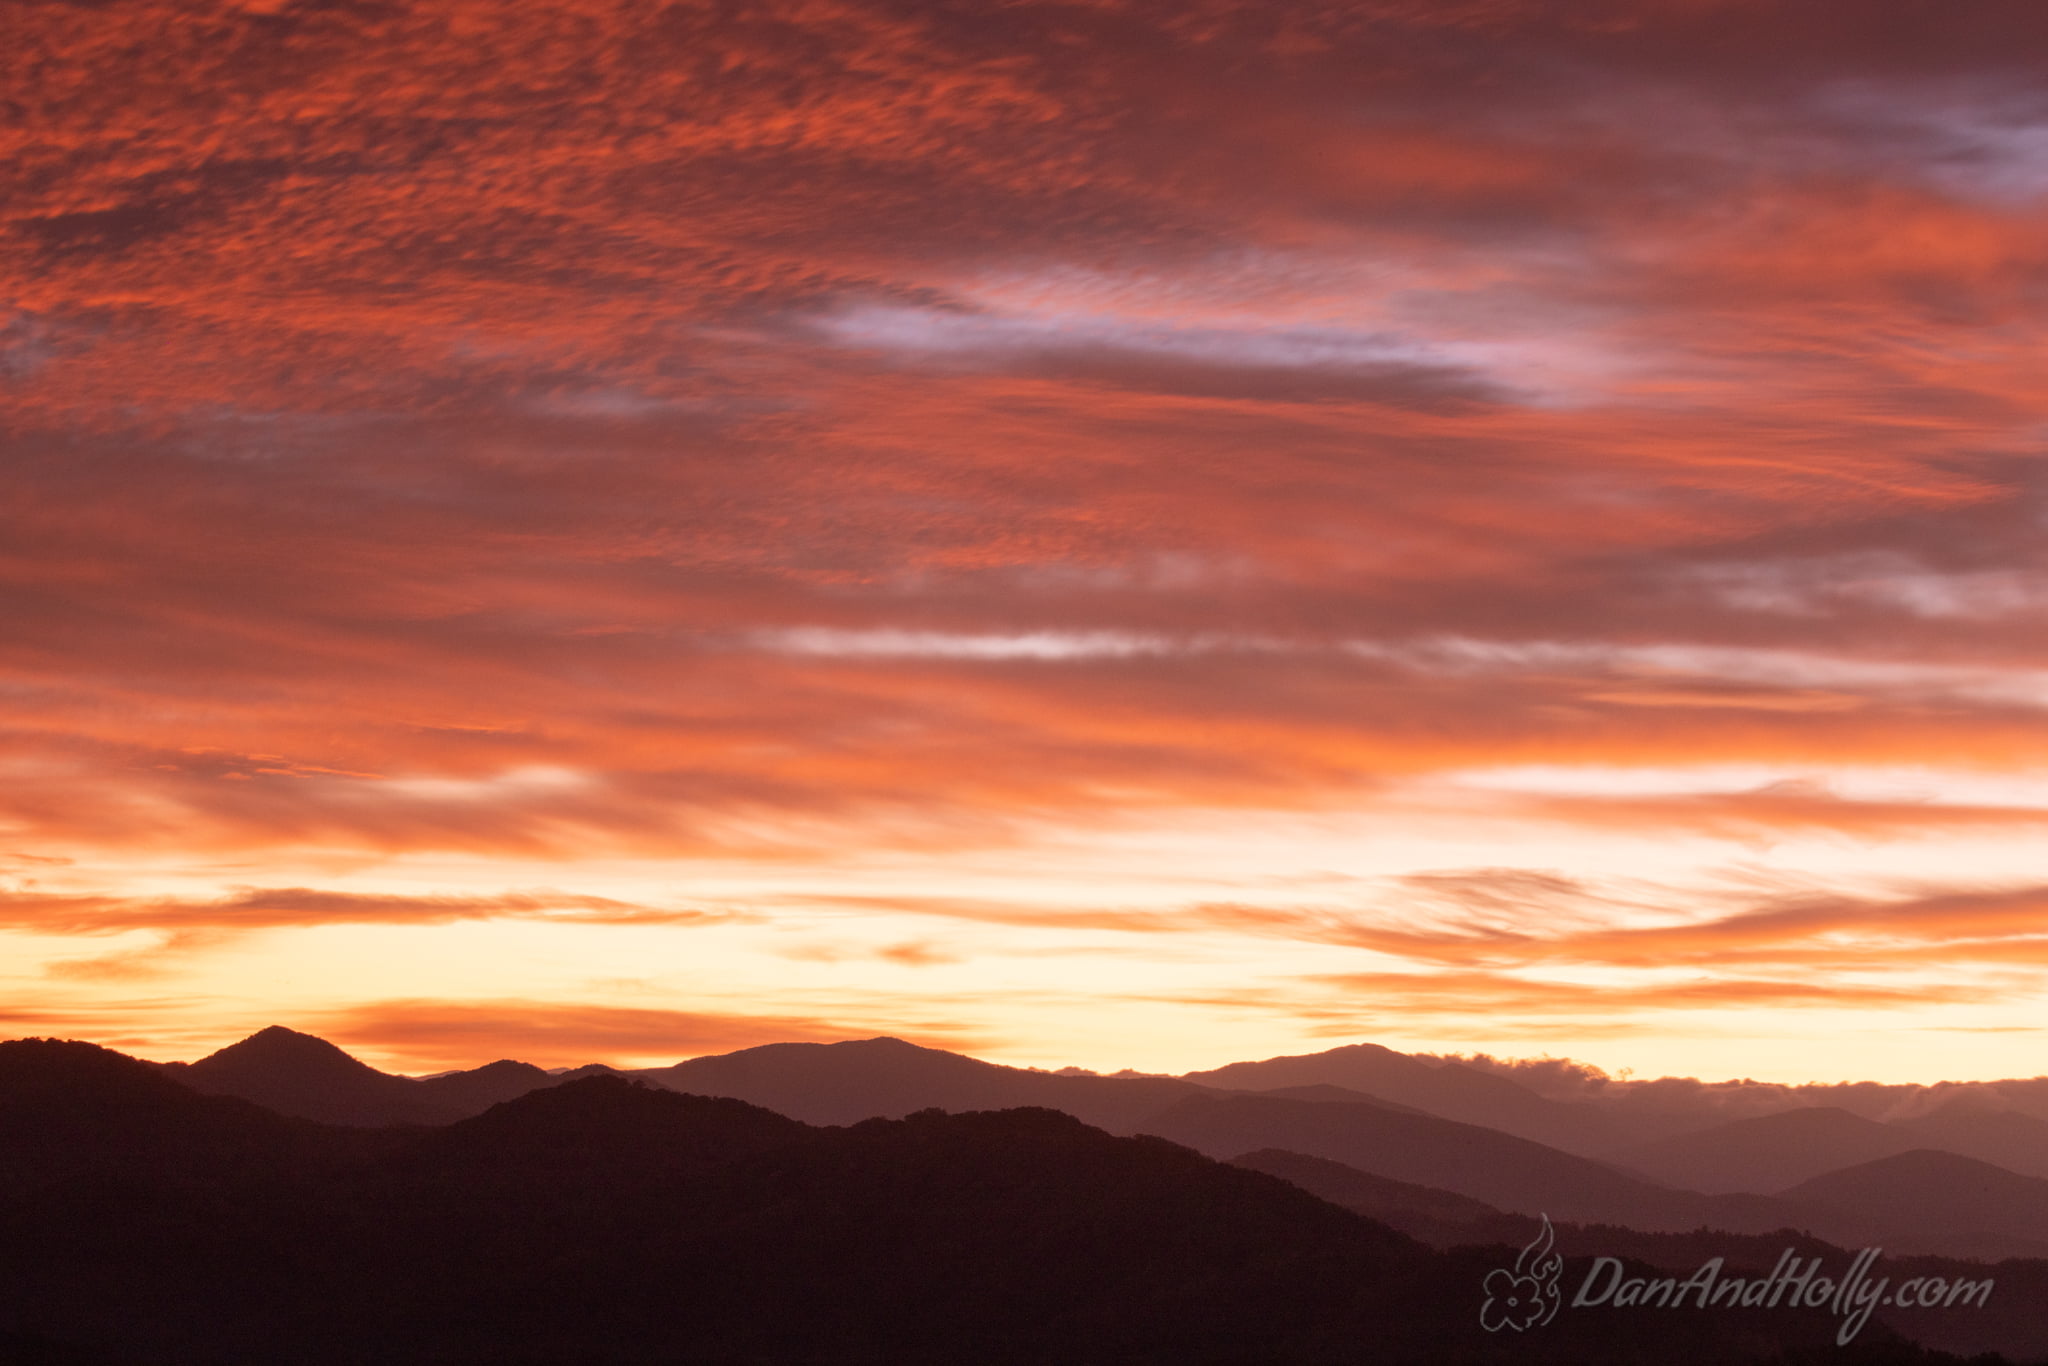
(1527, 1296)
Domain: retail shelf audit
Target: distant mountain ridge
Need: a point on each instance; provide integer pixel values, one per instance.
(1447, 1090)
(843, 1083)
(1438, 1217)
(1768, 1153)
(1675, 1184)
(1736, 1168)
(1773, 1152)
(306, 1076)
(2003, 1122)
(1928, 1201)
(2013, 1139)
(1513, 1174)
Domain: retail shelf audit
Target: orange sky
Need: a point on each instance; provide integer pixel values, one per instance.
(1111, 533)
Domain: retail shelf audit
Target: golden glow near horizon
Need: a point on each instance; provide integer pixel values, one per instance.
(1209, 939)
(1277, 529)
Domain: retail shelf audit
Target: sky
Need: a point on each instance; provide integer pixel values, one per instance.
(1109, 533)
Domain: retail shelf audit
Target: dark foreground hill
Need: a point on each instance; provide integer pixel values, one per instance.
(604, 1223)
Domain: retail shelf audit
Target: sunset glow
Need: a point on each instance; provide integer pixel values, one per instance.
(1117, 534)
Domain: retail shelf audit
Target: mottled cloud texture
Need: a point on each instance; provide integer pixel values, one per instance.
(1107, 461)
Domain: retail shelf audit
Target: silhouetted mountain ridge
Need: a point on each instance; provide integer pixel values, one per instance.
(299, 1074)
(77, 1112)
(843, 1083)
(1767, 1153)
(1447, 1090)
(1510, 1173)
(1733, 1164)
(1438, 1217)
(2011, 1139)
(612, 1224)
(564, 1133)
(468, 1091)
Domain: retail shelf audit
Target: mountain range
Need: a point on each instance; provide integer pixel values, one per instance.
(1449, 1090)
(299, 1074)
(1621, 1122)
(609, 1220)
(1422, 1122)
(1364, 1106)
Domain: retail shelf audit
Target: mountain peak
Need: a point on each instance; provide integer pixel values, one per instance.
(503, 1067)
(889, 1043)
(1935, 1161)
(300, 1074)
(275, 1044)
